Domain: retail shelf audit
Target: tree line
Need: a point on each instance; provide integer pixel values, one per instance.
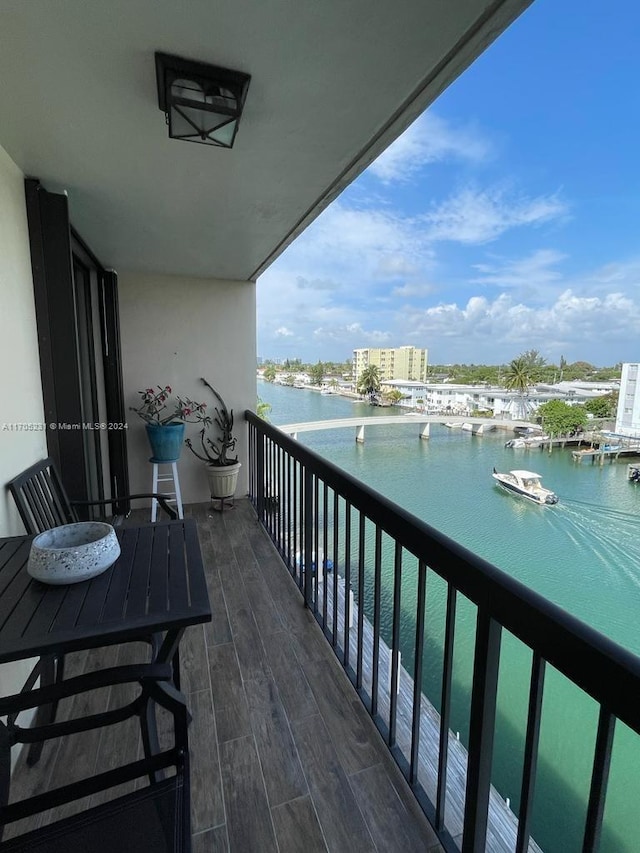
(531, 363)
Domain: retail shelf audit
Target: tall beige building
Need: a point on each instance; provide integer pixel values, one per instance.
(397, 363)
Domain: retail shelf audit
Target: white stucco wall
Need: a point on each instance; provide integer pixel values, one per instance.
(20, 384)
(175, 330)
(628, 413)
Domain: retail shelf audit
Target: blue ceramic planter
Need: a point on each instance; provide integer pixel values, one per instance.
(166, 441)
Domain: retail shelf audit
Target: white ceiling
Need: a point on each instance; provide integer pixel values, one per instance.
(333, 83)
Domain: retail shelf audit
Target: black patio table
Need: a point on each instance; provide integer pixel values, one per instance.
(156, 586)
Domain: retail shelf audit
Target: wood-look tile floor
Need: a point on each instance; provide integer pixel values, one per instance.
(284, 757)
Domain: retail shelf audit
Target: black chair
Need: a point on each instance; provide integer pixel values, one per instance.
(43, 502)
(150, 819)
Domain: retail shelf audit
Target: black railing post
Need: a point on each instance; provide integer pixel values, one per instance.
(348, 594)
(334, 613)
(394, 674)
(530, 762)
(599, 780)
(417, 672)
(325, 550)
(317, 561)
(445, 706)
(481, 730)
(361, 581)
(259, 496)
(307, 526)
(375, 655)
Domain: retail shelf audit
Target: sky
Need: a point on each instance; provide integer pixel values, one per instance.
(506, 218)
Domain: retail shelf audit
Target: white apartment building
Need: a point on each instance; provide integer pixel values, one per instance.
(448, 398)
(628, 414)
(406, 362)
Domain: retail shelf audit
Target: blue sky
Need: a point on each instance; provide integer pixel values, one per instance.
(507, 217)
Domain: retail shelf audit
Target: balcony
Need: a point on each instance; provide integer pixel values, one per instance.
(284, 756)
(298, 739)
(383, 565)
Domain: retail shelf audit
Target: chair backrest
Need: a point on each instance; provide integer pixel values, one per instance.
(150, 819)
(40, 497)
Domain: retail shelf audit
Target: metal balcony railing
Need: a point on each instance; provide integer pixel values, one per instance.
(361, 562)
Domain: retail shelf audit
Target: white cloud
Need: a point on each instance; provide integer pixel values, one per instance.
(532, 270)
(480, 216)
(430, 139)
(394, 266)
(343, 257)
(414, 290)
(351, 332)
(622, 275)
(283, 332)
(375, 241)
(316, 284)
(500, 328)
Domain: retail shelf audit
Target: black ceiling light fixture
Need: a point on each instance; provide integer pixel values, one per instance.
(202, 103)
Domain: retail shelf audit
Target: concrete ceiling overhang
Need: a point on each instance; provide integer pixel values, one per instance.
(333, 83)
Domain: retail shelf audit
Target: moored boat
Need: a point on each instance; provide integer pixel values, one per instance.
(527, 484)
(516, 443)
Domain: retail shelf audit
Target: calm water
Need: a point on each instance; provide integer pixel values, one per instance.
(582, 554)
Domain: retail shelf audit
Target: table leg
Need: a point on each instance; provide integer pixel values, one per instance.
(51, 670)
(169, 652)
(5, 770)
(150, 741)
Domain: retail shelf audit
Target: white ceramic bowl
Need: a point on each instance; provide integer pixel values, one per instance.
(73, 552)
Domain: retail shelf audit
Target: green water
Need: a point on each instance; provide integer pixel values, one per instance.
(582, 554)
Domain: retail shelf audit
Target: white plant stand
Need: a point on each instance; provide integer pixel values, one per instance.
(171, 476)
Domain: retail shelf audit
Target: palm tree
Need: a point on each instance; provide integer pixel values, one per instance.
(393, 396)
(521, 374)
(369, 381)
(262, 409)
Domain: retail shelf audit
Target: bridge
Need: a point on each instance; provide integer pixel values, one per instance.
(410, 419)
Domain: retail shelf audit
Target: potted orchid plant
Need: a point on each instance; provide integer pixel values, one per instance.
(218, 452)
(165, 418)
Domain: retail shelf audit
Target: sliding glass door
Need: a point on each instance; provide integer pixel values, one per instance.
(78, 332)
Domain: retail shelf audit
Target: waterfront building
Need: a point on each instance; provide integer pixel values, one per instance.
(498, 402)
(628, 414)
(406, 362)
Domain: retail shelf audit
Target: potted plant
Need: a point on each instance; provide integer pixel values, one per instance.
(222, 466)
(165, 420)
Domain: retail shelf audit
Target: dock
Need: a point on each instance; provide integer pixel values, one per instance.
(605, 451)
(502, 830)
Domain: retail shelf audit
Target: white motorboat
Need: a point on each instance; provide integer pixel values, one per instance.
(527, 484)
(534, 442)
(516, 443)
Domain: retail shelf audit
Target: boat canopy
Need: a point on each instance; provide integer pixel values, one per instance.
(526, 475)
